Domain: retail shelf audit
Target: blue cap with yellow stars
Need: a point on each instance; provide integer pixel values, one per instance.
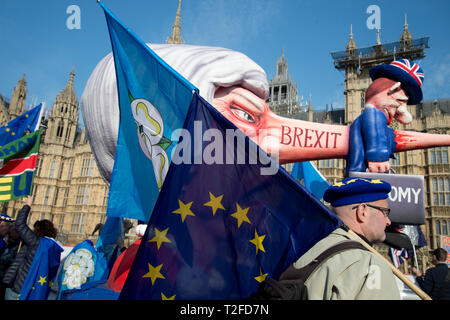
(5, 217)
(356, 190)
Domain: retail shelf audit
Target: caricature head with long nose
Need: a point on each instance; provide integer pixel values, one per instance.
(394, 86)
(210, 69)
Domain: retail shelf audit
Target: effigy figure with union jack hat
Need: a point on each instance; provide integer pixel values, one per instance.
(394, 86)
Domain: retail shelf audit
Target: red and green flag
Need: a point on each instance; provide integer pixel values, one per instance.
(18, 164)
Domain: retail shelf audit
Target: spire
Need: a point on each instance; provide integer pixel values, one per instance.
(406, 36)
(175, 37)
(378, 37)
(282, 66)
(68, 93)
(72, 74)
(351, 45)
(310, 107)
(17, 103)
(63, 118)
(310, 110)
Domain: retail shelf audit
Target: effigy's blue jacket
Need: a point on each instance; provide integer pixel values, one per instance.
(370, 139)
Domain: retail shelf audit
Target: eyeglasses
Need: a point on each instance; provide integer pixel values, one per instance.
(386, 211)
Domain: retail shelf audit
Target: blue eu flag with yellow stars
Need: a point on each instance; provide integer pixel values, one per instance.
(222, 225)
(42, 272)
(17, 127)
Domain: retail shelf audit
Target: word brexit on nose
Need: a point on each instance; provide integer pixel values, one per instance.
(309, 138)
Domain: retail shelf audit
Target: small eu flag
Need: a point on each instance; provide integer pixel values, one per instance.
(221, 227)
(17, 127)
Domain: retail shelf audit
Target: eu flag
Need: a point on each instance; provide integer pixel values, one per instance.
(18, 127)
(153, 102)
(42, 272)
(222, 222)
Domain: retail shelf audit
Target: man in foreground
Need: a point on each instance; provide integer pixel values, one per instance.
(354, 274)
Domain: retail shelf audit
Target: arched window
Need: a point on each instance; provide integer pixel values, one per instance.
(444, 227)
(60, 130)
(438, 227)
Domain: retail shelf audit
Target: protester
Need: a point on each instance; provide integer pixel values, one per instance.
(5, 225)
(7, 255)
(353, 274)
(38, 256)
(436, 281)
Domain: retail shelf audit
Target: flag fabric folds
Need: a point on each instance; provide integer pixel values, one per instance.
(83, 265)
(42, 271)
(311, 178)
(108, 239)
(19, 159)
(17, 127)
(153, 102)
(218, 229)
(398, 256)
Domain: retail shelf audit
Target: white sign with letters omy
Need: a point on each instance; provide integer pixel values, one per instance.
(406, 199)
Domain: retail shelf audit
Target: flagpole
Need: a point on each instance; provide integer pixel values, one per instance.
(397, 272)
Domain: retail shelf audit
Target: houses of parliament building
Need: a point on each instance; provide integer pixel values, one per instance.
(69, 190)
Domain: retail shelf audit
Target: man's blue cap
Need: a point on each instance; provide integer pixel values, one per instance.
(5, 217)
(356, 190)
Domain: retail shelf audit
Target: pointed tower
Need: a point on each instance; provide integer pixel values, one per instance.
(353, 94)
(175, 37)
(351, 44)
(283, 90)
(378, 37)
(4, 114)
(17, 103)
(357, 62)
(406, 37)
(63, 119)
(310, 110)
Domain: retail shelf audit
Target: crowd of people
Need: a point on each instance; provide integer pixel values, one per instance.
(361, 204)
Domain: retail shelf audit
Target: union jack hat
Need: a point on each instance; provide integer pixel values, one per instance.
(410, 74)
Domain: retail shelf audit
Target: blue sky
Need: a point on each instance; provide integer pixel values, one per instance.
(35, 40)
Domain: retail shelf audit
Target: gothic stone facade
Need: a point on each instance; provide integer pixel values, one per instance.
(68, 189)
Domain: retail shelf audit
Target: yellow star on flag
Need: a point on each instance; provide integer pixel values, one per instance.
(153, 273)
(257, 241)
(261, 276)
(163, 297)
(42, 280)
(215, 203)
(376, 181)
(351, 181)
(240, 215)
(184, 210)
(338, 184)
(160, 237)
